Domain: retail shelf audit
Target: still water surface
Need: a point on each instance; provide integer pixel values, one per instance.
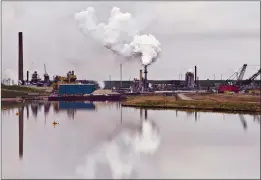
(102, 140)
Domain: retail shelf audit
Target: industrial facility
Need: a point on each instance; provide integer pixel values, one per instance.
(70, 85)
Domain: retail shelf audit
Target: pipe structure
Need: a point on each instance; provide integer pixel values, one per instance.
(140, 74)
(195, 82)
(20, 57)
(27, 76)
(145, 78)
(140, 83)
(121, 75)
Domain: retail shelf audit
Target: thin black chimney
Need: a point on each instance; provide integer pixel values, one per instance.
(195, 76)
(27, 76)
(20, 57)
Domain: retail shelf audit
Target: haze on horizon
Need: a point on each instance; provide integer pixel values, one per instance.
(218, 37)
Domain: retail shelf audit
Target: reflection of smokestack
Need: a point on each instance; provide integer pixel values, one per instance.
(140, 113)
(146, 114)
(27, 76)
(20, 57)
(27, 111)
(21, 132)
(145, 78)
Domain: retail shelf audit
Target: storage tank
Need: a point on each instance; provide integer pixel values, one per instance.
(189, 79)
(77, 89)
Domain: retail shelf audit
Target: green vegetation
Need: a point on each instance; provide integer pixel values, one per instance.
(171, 102)
(22, 89)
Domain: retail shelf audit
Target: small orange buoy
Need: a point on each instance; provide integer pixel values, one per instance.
(55, 123)
(17, 113)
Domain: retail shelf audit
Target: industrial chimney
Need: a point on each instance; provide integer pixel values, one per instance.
(20, 57)
(27, 76)
(195, 76)
(145, 78)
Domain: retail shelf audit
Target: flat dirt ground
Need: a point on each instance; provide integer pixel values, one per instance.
(232, 98)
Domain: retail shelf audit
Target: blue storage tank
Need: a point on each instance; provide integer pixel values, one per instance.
(78, 89)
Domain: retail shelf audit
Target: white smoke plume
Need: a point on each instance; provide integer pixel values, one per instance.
(123, 153)
(120, 35)
(101, 84)
(9, 74)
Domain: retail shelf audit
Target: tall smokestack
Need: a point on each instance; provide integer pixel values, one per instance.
(27, 76)
(145, 77)
(195, 76)
(141, 75)
(20, 57)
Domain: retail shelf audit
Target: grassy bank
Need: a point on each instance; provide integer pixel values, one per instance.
(19, 91)
(22, 89)
(169, 102)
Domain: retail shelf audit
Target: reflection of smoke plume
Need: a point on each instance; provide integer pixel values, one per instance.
(122, 153)
(101, 84)
(120, 35)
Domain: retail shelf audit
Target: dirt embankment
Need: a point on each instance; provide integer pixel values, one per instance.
(210, 102)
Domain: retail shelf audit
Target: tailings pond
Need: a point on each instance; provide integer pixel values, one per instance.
(103, 140)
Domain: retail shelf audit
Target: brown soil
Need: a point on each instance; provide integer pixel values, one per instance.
(198, 102)
(231, 98)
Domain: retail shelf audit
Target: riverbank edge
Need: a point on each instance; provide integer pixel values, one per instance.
(189, 108)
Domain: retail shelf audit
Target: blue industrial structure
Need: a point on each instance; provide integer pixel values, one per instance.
(76, 89)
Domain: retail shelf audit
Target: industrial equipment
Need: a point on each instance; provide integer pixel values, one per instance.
(239, 84)
(35, 78)
(46, 76)
(231, 86)
(69, 79)
(189, 78)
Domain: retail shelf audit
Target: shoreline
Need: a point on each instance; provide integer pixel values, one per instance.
(215, 103)
(192, 109)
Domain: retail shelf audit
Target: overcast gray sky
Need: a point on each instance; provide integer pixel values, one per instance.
(218, 37)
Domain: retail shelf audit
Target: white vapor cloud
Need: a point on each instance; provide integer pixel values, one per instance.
(218, 37)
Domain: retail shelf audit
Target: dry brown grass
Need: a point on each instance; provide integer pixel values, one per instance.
(160, 99)
(202, 103)
(231, 98)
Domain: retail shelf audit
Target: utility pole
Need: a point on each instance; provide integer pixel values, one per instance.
(121, 75)
(221, 76)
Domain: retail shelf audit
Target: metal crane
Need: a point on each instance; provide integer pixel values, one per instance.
(252, 78)
(231, 86)
(241, 73)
